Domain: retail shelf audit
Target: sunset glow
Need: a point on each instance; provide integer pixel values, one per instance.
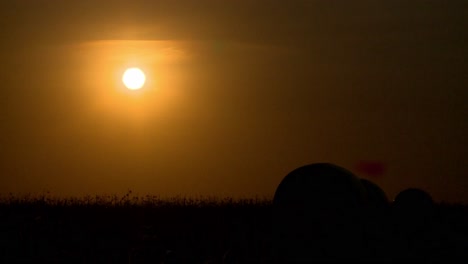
(207, 98)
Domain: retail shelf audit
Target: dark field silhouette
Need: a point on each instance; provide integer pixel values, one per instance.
(319, 212)
(126, 230)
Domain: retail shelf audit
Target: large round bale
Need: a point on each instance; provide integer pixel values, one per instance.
(318, 214)
(377, 222)
(376, 197)
(320, 185)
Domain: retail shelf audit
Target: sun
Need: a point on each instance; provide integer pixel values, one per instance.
(134, 78)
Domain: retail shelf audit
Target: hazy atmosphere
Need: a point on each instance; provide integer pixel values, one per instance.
(237, 95)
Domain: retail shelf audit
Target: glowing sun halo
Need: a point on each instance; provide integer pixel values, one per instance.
(134, 78)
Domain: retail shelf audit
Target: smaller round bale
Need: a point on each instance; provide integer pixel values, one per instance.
(413, 209)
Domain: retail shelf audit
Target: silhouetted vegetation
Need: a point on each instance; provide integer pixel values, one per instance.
(320, 212)
(131, 229)
(128, 229)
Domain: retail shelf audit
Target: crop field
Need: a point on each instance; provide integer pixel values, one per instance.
(130, 229)
(111, 229)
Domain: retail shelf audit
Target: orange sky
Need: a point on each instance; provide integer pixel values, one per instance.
(238, 94)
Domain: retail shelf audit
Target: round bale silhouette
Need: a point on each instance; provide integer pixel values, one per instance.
(413, 209)
(376, 197)
(318, 215)
(377, 222)
(413, 218)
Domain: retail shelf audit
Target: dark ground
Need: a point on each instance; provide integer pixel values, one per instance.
(150, 230)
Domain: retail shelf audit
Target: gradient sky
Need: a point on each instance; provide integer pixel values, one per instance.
(239, 93)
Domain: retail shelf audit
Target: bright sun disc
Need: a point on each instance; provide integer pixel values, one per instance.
(134, 78)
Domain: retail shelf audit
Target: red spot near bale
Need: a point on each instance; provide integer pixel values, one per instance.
(371, 168)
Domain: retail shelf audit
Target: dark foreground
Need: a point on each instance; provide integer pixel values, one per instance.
(150, 230)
